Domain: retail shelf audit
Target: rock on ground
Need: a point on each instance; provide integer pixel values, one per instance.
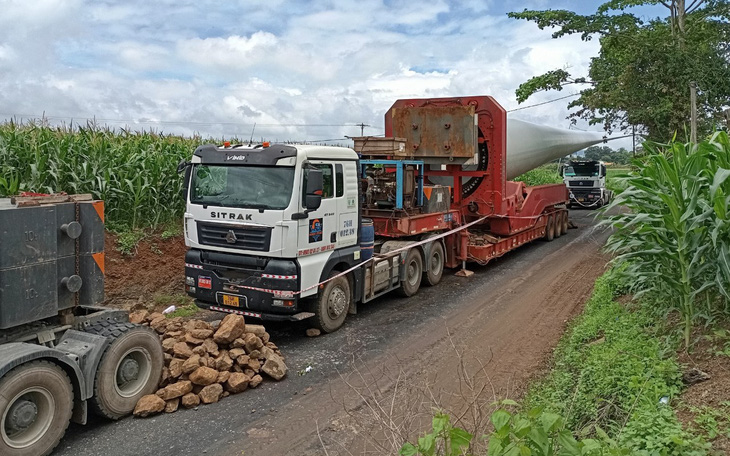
(149, 405)
(211, 393)
(190, 400)
(274, 367)
(172, 405)
(204, 376)
(178, 389)
(230, 329)
(237, 382)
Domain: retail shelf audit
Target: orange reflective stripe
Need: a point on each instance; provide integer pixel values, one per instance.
(99, 258)
(99, 207)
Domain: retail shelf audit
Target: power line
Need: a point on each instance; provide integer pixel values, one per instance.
(544, 102)
(176, 122)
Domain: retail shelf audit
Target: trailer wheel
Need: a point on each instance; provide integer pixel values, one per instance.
(332, 304)
(565, 222)
(36, 402)
(434, 266)
(550, 228)
(413, 274)
(129, 369)
(558, 224)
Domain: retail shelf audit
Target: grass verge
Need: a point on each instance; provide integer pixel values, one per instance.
(613, 390)
(614, 371)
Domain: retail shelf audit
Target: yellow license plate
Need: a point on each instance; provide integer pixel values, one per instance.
(229, 300)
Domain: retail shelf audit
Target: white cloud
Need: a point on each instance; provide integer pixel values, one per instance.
(219, 67)
(231, 52)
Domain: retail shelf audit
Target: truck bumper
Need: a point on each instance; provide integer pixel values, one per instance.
(586, 196)
(260, 315)
(251, 286)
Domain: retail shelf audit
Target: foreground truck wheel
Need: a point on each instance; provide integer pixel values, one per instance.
(550, 228)
(332, 304)
(435, 264)
(36, 401)
(565, 222)
(414, 272)
(129, 369)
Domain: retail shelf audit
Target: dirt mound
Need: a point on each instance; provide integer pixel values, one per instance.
(157, 268)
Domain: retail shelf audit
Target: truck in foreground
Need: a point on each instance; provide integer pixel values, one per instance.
(61, 354)
(293, 232)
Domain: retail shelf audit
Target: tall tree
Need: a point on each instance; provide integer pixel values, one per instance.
(641, 77)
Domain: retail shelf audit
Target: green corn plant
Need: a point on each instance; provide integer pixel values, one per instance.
(133, 172)
(672, 231)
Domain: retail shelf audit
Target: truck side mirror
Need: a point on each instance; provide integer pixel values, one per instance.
(313, 197)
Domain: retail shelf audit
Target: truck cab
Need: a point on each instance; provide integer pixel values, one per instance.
(586, 182)
(266, 224)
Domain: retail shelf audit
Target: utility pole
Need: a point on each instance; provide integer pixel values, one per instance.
(362, 128)
(693, 107)
(633, 139)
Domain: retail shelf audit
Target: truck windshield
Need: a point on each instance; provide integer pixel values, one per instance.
(256, 187)
(582, 170)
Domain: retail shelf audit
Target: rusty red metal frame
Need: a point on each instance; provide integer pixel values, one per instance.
(517, 212)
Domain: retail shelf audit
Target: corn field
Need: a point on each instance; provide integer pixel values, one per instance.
(133, 172)
(673, 232)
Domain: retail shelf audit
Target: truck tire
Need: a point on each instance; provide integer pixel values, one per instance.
(434, 265)
(413, 274)
(130, 368)
(332, 304)
(565, 222)
(558, 223)
(550, 228)
(36, 402)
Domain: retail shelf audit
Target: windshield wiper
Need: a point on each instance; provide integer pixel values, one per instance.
(259, 206)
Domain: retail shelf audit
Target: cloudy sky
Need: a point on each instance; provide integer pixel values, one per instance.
(299, 70)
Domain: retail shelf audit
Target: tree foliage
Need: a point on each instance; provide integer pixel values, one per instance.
(605, 153)
(642, 74)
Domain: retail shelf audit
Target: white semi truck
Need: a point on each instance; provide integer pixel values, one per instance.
(586, 181)
(284, 232)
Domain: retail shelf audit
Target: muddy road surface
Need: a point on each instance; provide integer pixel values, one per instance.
(458, 346)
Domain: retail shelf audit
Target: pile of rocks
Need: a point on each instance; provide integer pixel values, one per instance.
(207, 361)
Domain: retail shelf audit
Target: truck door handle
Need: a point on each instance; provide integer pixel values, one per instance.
(333, 236)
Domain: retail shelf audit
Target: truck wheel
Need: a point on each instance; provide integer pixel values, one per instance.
(550, 228)
(558, 224)
(434, 264)
(36, 402)
(332, 304)
(413, 274)
(129, 369)
(565, 222)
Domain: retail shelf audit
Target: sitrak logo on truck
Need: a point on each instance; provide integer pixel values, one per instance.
(231, 216)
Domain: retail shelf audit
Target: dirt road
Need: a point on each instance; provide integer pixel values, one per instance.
(373, 384)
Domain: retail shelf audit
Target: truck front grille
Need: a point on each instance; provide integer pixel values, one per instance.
(235, 236)
(580, 183)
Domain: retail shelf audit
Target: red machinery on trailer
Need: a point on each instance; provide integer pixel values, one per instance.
(441, 131)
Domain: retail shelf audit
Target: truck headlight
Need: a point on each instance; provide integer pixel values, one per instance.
(189, 280)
